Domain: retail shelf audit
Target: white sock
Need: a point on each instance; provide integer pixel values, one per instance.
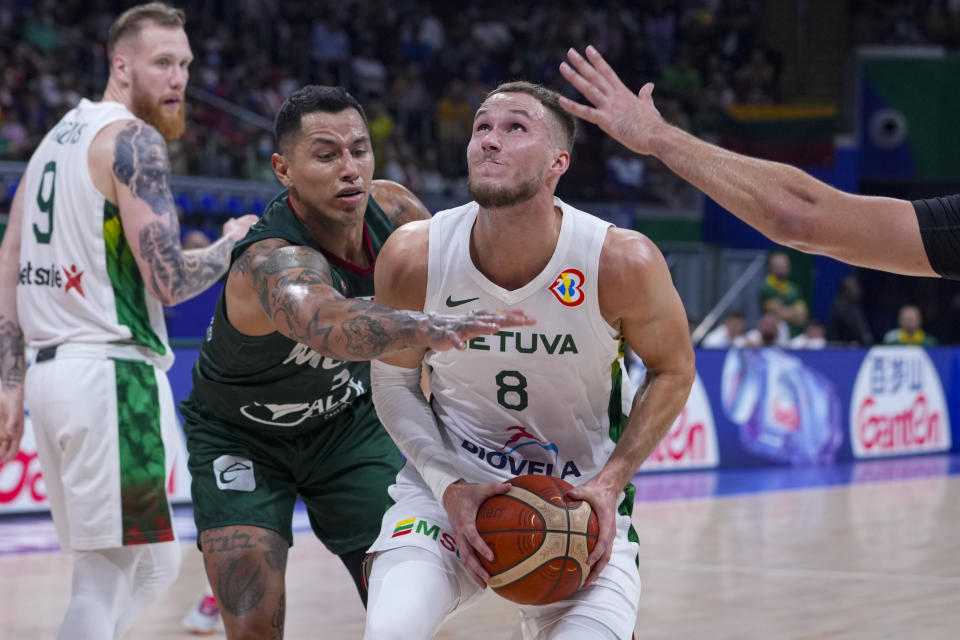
(111, 586)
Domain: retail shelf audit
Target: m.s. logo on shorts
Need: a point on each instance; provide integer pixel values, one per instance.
(234, 473)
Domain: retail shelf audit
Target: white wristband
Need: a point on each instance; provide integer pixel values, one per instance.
(412, 424)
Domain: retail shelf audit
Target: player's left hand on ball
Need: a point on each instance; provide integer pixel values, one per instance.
(603, 500)
(462, 500)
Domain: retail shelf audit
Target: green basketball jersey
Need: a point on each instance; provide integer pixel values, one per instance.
(272, 382)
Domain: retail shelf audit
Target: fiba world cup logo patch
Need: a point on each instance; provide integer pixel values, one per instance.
(568, 287)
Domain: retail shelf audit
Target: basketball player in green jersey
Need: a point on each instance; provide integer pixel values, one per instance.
(281, 405)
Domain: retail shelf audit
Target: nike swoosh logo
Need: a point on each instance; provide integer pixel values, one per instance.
(456, 303)
(235, 468)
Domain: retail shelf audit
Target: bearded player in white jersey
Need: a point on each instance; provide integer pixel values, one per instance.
(544, 399)
(91, 253)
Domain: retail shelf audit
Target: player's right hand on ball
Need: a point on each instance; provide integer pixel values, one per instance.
(462, 500)
(445, 331)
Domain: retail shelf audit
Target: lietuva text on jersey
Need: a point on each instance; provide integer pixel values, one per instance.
(509, 341)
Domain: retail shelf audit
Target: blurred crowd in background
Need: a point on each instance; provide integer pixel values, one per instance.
(421, 69)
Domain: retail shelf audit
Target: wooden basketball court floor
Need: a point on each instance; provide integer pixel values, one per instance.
(864, 551)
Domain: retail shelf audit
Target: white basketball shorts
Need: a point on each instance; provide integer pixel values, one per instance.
(417, 519)
(106, 439)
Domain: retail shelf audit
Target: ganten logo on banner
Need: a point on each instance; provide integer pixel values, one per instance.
(568, 287)
(898, 405)
(691, 442)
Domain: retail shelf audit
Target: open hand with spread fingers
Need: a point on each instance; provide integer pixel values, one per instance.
(631, 119)
(446, 331)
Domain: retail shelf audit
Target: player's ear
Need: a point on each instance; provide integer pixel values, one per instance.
(281, 167)
(561, 162)
(121, 69)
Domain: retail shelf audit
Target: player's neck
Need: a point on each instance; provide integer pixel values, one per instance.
(512, 245)
(114, 93)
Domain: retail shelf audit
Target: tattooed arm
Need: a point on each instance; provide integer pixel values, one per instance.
(274, 286)
(12, 367)
(400, 205)
(139, 184)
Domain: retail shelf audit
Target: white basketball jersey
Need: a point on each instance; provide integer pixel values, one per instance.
(79, 281)
(539, 399)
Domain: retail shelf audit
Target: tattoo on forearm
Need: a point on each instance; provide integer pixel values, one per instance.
(158, 247)
(12, 363)
(365, 336)
(200, 268)
(140, 161)
(181, 274)
(290, 280)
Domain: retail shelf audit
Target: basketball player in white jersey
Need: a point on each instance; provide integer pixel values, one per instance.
(542, 399)
(91, 253)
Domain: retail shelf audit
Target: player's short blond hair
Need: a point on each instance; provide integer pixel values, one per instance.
(132, 20)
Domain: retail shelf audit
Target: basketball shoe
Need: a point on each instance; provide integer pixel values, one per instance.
(202, 619)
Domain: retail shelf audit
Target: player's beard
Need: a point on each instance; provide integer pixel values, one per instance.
(152, 112)
(492, 195)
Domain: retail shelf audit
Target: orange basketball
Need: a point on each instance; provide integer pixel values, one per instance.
(540, 540)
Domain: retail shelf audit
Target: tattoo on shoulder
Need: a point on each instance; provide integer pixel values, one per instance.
(396, 214)
(403, 211)
(399, 204)
(140, 161)
(182, 273)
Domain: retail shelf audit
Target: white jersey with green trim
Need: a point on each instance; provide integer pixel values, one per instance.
(79, 281)
(542, 399)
